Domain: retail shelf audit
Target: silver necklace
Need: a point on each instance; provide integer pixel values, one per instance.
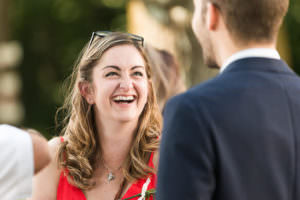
(111, 172)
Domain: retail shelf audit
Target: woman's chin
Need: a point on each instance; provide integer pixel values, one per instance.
(126, 118)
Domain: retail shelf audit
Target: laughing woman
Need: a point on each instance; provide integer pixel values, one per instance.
(108, 148)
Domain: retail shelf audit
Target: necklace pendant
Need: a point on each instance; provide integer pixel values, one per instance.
(110, 176)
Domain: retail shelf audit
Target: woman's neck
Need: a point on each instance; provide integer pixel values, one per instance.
(115, 141)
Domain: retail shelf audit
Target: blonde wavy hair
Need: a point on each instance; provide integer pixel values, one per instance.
(80, 151)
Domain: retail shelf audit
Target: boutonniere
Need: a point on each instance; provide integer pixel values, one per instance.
(145, 194)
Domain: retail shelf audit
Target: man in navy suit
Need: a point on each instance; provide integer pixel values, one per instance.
(237, 136)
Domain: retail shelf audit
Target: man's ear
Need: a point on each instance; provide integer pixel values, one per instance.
(212, 16)
(86, 91)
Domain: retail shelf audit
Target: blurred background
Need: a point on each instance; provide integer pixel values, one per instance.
(40, 41)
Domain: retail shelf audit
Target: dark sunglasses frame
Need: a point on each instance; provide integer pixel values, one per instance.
(103, 34)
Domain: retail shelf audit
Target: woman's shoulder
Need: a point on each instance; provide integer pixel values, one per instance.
(54, 145)
(50, 174)
(56, 141)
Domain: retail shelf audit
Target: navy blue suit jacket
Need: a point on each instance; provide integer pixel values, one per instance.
(235, 137)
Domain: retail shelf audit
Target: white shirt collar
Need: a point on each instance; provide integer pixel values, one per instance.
(253, 52)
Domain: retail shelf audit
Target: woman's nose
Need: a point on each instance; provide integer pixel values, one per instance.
(126, 83)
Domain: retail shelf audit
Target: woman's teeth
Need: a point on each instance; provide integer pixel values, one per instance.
(124, 99)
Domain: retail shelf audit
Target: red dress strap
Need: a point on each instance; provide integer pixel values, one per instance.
(64, 155)
(150, 163)
(66, 191)
(137, 186)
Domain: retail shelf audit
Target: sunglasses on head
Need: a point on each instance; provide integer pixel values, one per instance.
(103, 34)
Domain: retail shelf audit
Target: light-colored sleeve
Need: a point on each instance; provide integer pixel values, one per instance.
(16, 161)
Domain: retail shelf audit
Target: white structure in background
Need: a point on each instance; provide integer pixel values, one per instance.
(11, 108)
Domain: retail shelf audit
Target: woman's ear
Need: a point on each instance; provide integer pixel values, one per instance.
(86, 91)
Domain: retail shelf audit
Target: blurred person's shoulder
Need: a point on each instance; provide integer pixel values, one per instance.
(8, 132)
(15, 141)
(17, 166)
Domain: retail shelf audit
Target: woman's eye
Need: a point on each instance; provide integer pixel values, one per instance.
(138, 74)
(111, 74)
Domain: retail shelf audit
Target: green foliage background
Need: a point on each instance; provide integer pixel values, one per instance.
(53, 32)
(292, 22)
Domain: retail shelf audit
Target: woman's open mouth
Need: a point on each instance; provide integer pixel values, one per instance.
(124, 99)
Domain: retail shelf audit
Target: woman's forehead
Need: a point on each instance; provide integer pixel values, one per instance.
(122, 56)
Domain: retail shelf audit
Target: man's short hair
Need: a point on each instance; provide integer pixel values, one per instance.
(252, 20)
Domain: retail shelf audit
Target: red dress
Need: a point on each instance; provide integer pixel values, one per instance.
(66, 191)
